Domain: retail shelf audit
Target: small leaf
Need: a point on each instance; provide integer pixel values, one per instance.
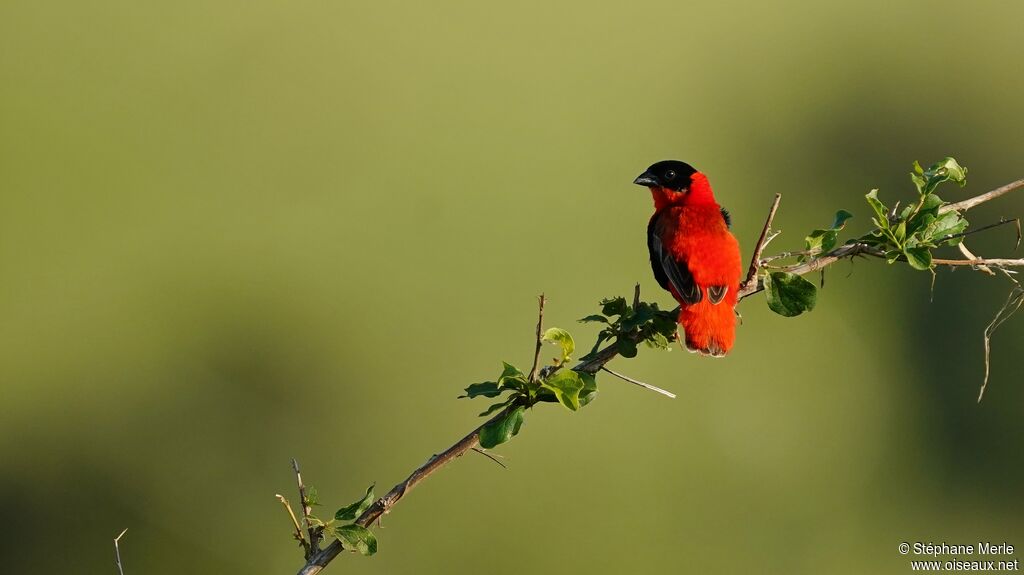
(357, 536)
(614, 306)
(665, 323)
(948, 170)
(821, 241)
(510, 371)
(641, 315)
(947, 224)
(626, 347)
(483, 389)
(511, 377)
(560, 337)
(595, 317)
(881, 212)
(567, 386)
(312, 496)
(498, 432)
(350, 512)
(900, 232)
(657, 340)
(788, 294)
(919, 258)
(840, 220)
(496, 406)
(589, 391)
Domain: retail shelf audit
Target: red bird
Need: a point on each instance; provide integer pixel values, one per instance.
(694, 255)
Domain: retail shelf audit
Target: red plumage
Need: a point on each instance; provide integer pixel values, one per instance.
(694, 255)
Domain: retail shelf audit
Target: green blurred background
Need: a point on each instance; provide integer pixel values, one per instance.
(239, 232)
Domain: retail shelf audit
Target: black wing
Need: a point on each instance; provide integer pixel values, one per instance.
(669, 271)
(726, 217)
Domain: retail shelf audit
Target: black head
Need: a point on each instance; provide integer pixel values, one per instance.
(671, 174)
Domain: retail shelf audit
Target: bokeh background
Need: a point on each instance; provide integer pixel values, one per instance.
(232, 233)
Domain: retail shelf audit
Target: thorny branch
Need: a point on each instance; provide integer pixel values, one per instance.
(316, 563)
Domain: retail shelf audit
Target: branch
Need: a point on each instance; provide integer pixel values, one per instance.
(969, 203)
(595, 362)
(755, 261)
(843, 251)
(994, 262)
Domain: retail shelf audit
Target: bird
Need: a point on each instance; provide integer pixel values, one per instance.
(694, 255)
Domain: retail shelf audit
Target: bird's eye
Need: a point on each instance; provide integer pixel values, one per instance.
(670, 175)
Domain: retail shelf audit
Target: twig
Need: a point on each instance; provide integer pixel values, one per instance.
(981, 229)
(298, 529)
(540, 334)
(636, 296)
(1014, 301)
(971, 202)
(962, 246)
(117, 551)
(489, 456)
(307, 510)
(640, 383)
(755, 261)
(994, 262)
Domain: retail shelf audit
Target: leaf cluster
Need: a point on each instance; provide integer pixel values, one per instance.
(630, 325)
(910, 235)
(343, 527)
(906, 235)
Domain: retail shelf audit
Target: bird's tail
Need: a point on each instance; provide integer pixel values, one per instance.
(710, 328)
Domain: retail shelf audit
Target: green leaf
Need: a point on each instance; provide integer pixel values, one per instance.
(589, 391)
(821, 241)
(511, 377)
(350, 512)
(560, 337)
(498, 432)
(948, 170)
(900, 232)
(595, 317)
(840, 220)
(641, 315)
(626, 347)
(510, 371)
(614, 306)
(665, 323)
(312, 496)
(881, 212)
(497, 406)
(919, 258)
(947, 224)
(357, 536)
(657, 340)
(788, 294)
(567, 386)
(483, 389)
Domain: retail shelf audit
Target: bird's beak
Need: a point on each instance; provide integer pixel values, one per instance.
(647, 179)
